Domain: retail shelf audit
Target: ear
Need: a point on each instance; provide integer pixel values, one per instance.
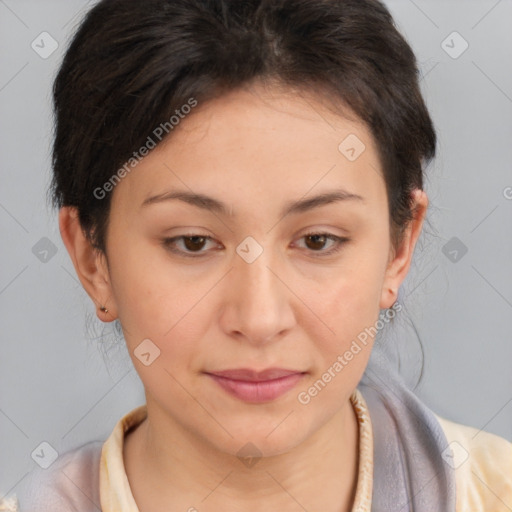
(90, 263)
(401, 257)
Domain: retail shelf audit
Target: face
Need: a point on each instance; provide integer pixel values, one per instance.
(259, 275)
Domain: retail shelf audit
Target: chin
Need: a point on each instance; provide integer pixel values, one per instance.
(263, 439)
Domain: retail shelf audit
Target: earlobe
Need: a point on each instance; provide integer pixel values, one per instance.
(90, 263)
(398, 266)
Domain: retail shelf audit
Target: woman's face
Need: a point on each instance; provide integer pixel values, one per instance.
(258, 293)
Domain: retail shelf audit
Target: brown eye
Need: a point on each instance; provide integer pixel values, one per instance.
(316, 242)
(192, 245)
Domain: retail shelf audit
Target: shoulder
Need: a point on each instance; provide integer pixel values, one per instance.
(9, 504)
(70, 483)
(482, 463)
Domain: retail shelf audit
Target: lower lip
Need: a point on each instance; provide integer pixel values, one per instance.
(258, 392)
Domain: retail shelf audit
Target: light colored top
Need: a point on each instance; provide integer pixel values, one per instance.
(482, 463)
(483, 468)
(116, 495)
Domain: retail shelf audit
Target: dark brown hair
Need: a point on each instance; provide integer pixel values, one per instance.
(133, 63)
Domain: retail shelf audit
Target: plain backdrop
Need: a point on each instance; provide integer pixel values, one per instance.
(65, 378)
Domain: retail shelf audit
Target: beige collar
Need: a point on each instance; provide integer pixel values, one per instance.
(115, 492)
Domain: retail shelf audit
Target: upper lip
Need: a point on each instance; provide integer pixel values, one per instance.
(247, 374)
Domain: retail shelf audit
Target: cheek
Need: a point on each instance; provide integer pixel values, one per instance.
(341, 355)
(148, 289)
(347, 311)
(162, 302)
(135, 284)
(350, 296)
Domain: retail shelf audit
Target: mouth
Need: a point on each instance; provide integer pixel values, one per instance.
(257, 386)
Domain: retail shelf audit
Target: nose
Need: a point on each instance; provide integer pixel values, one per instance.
(259, 301)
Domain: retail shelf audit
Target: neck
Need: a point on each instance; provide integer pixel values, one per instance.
(170, 468)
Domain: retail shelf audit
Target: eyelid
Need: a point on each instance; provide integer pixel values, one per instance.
(166, 242)
(340, 241)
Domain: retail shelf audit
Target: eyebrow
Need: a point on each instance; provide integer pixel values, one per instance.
(214, 205)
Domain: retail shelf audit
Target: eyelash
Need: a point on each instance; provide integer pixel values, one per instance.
(168, 242)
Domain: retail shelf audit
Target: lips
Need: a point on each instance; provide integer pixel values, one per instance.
(248, 375)
(257, 386)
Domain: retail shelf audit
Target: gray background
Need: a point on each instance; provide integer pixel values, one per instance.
(62, 383)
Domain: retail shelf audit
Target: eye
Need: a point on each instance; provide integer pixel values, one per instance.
(192, 243)
(318, 240)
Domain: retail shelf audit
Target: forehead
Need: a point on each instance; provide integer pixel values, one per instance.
(270, 117)
(259, 141)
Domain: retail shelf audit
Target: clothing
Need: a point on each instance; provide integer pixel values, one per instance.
(405, 463)
(484, 478)
(115, 488)
(482, 481)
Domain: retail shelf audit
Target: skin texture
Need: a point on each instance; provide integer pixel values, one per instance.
(255, 149)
